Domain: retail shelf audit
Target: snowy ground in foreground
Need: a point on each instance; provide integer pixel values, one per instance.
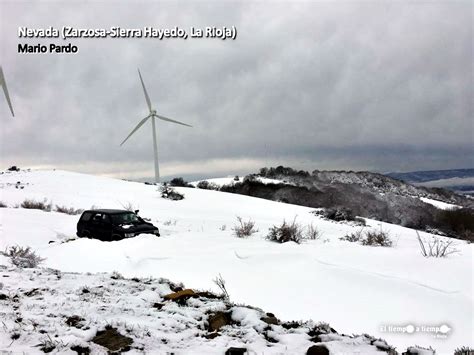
(47, 308)
(355, 288)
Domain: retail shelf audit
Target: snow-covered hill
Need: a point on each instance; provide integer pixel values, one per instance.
(355, 288)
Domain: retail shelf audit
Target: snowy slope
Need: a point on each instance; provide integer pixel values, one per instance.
(439, 204)
(355, 288)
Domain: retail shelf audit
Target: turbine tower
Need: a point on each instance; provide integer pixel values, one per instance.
(153, 115)
(5, 90)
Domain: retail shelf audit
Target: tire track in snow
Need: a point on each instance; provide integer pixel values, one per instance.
(387, 277)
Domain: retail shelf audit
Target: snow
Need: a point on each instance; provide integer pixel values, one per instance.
(439, 204)
(356, 289)
(230, 181)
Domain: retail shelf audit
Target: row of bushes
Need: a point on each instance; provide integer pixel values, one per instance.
(286, 232)
(45, 206)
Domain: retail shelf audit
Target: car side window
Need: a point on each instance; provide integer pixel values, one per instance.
(97, 217)
(86, 216)
(106, 219)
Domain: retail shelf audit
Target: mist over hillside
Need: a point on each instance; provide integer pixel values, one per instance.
(458, 180)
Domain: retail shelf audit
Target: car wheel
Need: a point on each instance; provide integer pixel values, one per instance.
(115, 237)
(85, 234)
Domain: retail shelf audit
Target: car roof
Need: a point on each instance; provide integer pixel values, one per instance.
(109, 211)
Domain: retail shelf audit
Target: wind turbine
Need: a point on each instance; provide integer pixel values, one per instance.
(153, 115)
(5, 90)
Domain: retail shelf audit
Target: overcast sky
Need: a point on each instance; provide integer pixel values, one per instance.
(372, 85)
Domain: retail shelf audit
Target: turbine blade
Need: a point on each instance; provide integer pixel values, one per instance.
(170, 120)
(144, 90)
(135, 129)
(5, 90)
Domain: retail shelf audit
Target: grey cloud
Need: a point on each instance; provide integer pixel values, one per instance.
(370, 85)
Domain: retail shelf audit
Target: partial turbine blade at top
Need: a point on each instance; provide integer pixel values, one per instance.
(144, 90)
(135, 129)
(170, 120)
(5, 90)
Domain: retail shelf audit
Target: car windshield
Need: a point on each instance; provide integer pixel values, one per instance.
(124, 218)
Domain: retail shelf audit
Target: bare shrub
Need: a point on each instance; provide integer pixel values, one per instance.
(286, 232)
(373, 238)
(244, 229)
(128, 206)
(312, 232)
(68, 210)
(169, 193)
(436, 247)
(223, 227)
(38, 205)
(220, 282)
(377, 238)
(354, 237)
(22, 257)
(3, 205)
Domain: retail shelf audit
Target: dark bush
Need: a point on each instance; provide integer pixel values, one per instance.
(170, 193)
(3, 205)
(206, 185)
(460, 221)
(13, 168)
(339, 214)
(180, 182)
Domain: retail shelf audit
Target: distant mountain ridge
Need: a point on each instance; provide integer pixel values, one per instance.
(430, 175)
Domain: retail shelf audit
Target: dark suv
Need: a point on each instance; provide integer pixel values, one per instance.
(113, 225)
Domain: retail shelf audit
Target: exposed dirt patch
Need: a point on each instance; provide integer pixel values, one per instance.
(81, 350)
(75, 321)
(111, 339)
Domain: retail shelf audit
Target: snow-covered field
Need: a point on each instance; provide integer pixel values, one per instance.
(356, 289)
